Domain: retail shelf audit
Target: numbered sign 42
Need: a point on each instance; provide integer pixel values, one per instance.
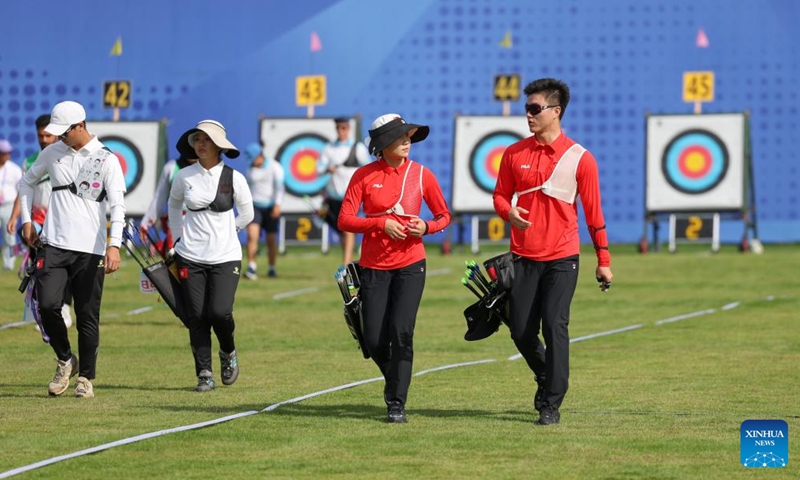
(117, 94)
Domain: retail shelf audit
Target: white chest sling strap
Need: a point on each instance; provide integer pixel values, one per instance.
(562, 184)
(413, 202)
(88, 185)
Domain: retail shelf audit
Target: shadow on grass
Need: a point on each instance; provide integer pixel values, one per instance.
(378, 412)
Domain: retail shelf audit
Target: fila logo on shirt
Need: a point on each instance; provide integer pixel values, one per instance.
(377, 185)
(524, 166)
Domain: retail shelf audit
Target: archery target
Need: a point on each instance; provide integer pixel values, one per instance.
(297, 144)
(478, 148)
(298, 156)
(130, 159)
(136, 145)
(484, 161)
(695, 162)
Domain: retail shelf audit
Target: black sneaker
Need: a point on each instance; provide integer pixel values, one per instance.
(538, 397)
(549, 415)
(205, 382)
(230, 367)
(397, 414)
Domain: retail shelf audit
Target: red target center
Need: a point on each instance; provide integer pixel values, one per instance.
(304, 165)
(492, 162)
(122, 163)
(695, 162)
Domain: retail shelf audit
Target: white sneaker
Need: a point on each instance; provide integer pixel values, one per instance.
(250, 274)
(84, 389)
(66, 315)
(64, 371)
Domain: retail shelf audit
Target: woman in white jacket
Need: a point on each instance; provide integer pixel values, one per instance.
(208, 252)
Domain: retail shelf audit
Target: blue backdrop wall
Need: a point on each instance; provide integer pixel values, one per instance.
(427, 60)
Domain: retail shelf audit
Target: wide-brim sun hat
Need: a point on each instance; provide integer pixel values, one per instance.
(216, 132)
(388, 128)
(184, 149)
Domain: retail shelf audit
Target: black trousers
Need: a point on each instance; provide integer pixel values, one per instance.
(56, 269)
(541, 296)
(208, 293)
(390, 300)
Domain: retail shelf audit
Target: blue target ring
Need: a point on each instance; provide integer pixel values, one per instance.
(484, 161)
(695, 161)
(130, 159)
(298, 155)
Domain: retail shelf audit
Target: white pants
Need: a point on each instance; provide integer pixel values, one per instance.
(9, 239)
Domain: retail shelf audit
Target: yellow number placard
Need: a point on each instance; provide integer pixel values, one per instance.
(311, 90)
(506, 87)
(698, 86)
(117, 94)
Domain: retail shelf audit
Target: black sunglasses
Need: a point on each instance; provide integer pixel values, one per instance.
(66, 132)
(535, 109)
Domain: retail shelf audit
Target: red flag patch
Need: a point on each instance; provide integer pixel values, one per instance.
(183, 273)
(39, 263)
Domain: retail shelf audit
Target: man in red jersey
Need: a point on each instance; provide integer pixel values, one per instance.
(546, 172)
(392, 190)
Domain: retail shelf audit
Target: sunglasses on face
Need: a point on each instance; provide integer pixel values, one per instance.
(66, 132)
(535, 109)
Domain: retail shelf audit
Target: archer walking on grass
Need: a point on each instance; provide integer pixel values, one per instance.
(74, 235)
(208, 252)
(392, 263)
(547, 171)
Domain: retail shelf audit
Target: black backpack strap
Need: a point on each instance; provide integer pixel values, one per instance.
(352, 159)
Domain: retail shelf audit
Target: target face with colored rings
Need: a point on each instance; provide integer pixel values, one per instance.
(695, 161)
(298, 156)
(130, 159)
(484, 161)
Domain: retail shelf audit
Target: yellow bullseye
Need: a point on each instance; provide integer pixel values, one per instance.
(695, 162)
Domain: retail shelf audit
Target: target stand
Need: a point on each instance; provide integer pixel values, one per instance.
(303, 230)
(699, 171)
(694, 229)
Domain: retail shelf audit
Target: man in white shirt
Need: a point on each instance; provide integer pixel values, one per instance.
(10, 175)
(341, 158)
(87, 181)
(265, 179)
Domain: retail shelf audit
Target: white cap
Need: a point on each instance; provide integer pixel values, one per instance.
(5, 146)
(65, 114)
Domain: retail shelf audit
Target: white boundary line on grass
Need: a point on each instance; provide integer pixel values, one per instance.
(15, 324)
(145, 436)
(295, 293)
(124, 441)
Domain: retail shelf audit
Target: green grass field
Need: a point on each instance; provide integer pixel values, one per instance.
(661, 401)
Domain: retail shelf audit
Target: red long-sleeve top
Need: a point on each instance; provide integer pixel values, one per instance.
(378, 185)
(553, 233)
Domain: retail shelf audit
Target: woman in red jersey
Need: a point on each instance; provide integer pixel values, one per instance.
(391, 191)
